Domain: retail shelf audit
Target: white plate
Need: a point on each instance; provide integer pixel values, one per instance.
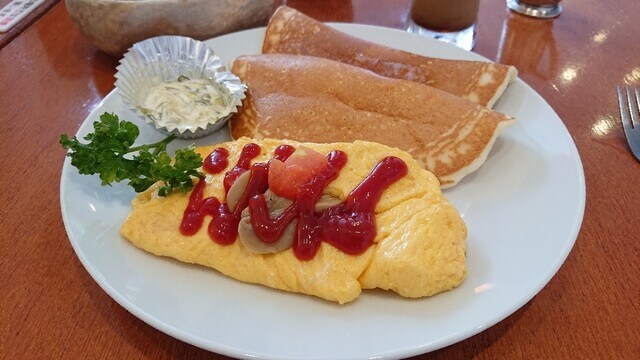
(523, 209)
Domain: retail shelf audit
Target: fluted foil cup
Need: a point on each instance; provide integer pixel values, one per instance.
(165, 58)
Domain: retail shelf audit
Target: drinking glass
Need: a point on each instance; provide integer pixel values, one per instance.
(544, 9)
(453, 21)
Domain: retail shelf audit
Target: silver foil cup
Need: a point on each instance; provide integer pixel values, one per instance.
(165, 58)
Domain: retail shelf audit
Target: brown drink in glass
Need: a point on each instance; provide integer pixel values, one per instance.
(448, 20)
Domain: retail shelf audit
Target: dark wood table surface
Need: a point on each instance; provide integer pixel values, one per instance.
(51, 78)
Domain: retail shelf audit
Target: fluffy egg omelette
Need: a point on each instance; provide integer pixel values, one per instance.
(418, 249)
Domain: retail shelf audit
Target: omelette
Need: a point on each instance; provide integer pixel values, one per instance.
(291, 32)
(329, 101)
(417, 248)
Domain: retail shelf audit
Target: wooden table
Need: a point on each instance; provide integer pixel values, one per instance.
(51, 78)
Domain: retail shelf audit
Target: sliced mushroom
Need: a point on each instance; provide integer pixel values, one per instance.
(326, 201)
(237, 190)
(276, 206)
(255, 245)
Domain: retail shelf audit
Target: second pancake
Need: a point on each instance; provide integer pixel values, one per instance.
(318, 100)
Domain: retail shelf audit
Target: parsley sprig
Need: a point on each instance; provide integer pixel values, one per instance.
(111, 154)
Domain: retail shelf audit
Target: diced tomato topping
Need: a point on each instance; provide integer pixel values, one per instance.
(285, 178)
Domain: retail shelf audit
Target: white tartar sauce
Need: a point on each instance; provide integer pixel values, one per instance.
(187, 103)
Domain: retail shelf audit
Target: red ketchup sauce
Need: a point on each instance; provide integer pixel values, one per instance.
(283, 152)
(348, 226)
(249, 152)
(217, 161)
(223, 229)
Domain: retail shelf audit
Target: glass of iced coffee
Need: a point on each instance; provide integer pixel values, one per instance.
(453, 21)
(544, 9)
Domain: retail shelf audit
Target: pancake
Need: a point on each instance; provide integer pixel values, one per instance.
(291, 32)
(313, 99)
(418, 249)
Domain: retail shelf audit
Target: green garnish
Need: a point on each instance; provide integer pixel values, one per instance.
(109, 154)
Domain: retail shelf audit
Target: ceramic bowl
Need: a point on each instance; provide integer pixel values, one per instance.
(114, 25)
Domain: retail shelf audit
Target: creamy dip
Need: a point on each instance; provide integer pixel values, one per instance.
(187, 103)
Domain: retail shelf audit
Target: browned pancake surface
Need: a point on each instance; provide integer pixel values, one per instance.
(291, 32)
(312, 99)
